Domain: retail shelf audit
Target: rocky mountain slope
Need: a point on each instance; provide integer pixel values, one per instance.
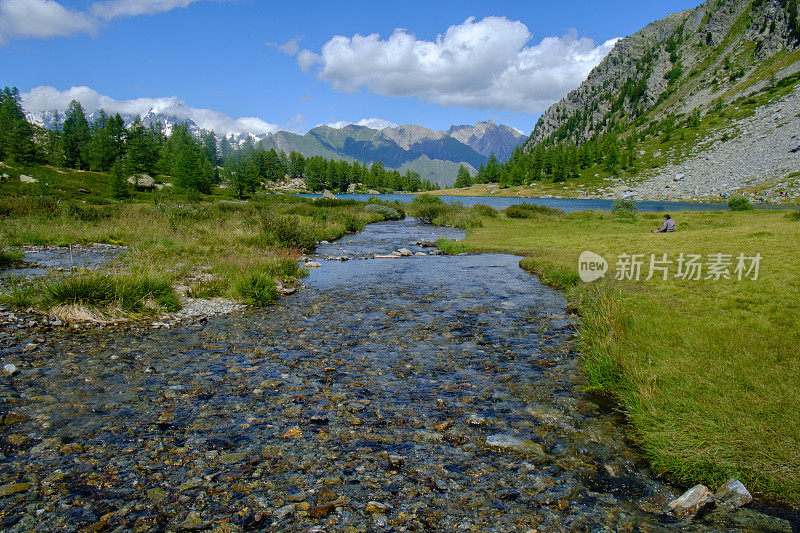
(698, 68)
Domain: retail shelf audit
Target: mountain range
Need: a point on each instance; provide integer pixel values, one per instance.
(435, 155)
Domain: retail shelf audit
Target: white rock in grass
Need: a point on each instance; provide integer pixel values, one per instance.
(27, 179)
(733, 494)
(691, 501)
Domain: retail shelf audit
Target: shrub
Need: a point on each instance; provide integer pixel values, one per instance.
(458, 217)
(426, 199)
(427, 212)
(388, 213)
(485, 210)
(622, 206)
(257, 289)
(794, 215)
(532, 211)
(87, 213)
(288, 231)
(739, 203)
(334, 202)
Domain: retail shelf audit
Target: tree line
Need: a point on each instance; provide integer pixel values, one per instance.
(198, 163)
(555, 161)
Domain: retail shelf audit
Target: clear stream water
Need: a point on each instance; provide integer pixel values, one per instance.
(435, 393)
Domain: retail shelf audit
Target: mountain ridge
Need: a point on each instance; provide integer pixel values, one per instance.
(704, 74)
(436, 155)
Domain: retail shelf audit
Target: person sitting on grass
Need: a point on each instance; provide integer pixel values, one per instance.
(668, 227)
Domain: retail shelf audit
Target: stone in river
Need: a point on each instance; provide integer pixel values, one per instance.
(10, 369)
(14, 418)
(733, 494)
(511, 443)
(691, 501)
(284, 511)
(405, 252)
(313, 264)
(377, 507)
(192, 522)
(320, 511)
(13, 488)
(476, 420)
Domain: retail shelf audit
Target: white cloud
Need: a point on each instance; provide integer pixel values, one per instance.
(486, 64)
(40, 19)
(374, 123)
(42, 99)
(291, 47)
(130, 8)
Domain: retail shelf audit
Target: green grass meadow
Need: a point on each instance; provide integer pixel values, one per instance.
(707, 371)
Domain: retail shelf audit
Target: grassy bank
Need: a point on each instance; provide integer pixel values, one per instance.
(707, 371)
(213, 244)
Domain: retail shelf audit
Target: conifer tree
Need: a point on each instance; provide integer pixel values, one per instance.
(76, 136)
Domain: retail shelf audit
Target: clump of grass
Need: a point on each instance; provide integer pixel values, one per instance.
(485, 210)
(387, 212)
(334, 202)
(557, 276)
(19, 294)
(451, 247)
(10, 258)
(97, 290)
(256, 289)
(288, 231)
(739, 203)
(532, 211)
(209, 288)
(794, 215)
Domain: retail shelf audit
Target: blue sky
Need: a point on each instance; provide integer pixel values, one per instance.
(232, 56)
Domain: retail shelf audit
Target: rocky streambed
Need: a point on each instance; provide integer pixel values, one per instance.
(414, 393)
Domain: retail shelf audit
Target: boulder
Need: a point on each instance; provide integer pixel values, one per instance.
(142, 180)
(373, 191)
(691, 501)
(351, 188)
(515, 444)
(795, 148)
(732, 494)
(328, 194)
(405, 252)
(27, 179)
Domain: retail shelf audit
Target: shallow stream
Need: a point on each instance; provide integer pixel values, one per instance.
(419, 393)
